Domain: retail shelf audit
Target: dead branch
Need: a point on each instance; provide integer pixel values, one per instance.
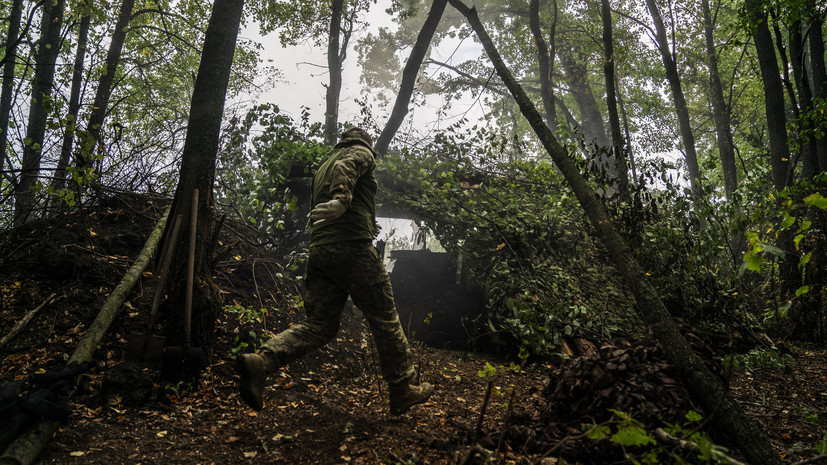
(24, 321)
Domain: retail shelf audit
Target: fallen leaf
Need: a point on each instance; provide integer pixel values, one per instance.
(77, 453)
(250, 455)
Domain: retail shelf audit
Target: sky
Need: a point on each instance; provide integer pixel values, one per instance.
(304, 74)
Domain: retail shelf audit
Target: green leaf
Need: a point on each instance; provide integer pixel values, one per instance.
(797, 240)
(816, 200)
(693, 416)
(788, 221)
(753, 262)
(805, 259)
(774, 250)
(598, 432)
(631, 435)
(802, 290)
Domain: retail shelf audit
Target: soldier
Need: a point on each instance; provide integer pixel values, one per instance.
(342, 262)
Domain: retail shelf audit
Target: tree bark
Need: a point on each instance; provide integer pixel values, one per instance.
(74, 105)
(334, 67)
(724, 410)
(591, 126)
(544, 60)
(47, 51)
(723, 131)
(816, 40)
(618, 144)
(806, 129)
(687, 137)
(93, 138)
(403, 98)
(15, 12)
(198, 172)
(773, 94)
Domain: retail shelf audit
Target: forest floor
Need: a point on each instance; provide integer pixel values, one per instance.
(330, 407)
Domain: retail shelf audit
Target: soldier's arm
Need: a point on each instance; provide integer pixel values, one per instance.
(355, 162)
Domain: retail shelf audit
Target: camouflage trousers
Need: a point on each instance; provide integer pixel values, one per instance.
(335, 271)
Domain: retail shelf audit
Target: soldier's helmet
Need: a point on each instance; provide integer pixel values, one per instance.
(357, 133)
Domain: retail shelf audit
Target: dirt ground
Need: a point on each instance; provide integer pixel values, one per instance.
(330, 407)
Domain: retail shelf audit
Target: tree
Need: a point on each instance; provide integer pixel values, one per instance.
(335, 57)
(9, 61)
(618, 144)
(773, 93)
(727, 413)
(198, 171)
(418, 52)
(678, 98)
(720, 112)
(41, 106)
(92, 138)
(59, 180)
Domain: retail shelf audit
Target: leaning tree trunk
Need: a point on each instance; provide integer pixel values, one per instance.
(618, 144)
(726, 413)
(403, 98)
(93, 138)
(47, 51)
(334, 67)
(74, 105)
(9, 59)
(806, 129)
(723, 133)
(679, 100)
(26, 448)
(198, 172)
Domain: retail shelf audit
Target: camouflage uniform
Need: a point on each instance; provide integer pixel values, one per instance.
(343, 262)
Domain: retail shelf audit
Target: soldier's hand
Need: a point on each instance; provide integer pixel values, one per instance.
(327, 212)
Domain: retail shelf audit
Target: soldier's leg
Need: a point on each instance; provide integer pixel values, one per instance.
(323, 305)
(370, 288)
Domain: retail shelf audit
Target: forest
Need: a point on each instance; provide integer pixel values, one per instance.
(639, 201)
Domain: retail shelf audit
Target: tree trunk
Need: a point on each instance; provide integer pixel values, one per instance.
(334, 67)
(806, 130)
(723, 132)
(679, 100)
(74, 105)
(47, 51)
(544, 60)
(618, 144)
(403, 98)
(816, 40)
(577, 78)
(773, 94)
(198, 172)
(93, 138)
(10, 60)
(727, 414)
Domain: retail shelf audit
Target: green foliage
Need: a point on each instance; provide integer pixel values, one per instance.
(253, 164)
(759, 359)
(641, 446)
(518, 233)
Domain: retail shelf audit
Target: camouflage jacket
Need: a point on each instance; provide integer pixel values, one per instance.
(347, 175)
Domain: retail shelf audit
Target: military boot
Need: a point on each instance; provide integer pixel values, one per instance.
(253, 370)
(403, 396)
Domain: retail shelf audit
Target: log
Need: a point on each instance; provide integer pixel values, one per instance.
(26, 448)
(24, 321)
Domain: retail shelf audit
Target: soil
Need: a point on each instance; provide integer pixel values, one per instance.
(331, 407)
